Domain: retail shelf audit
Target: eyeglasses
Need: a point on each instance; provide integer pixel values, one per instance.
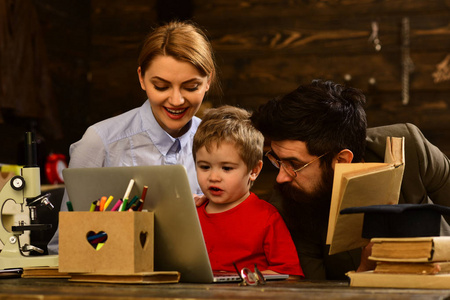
(250, 278)
(287, 166)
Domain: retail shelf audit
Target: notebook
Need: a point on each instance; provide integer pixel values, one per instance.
(179, 243)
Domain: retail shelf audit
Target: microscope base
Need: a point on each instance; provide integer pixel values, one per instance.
(7, 262)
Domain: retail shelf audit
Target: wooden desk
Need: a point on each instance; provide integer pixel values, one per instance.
(20, 288)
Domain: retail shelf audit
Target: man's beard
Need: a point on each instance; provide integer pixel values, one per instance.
(311, 210)
(320, 197)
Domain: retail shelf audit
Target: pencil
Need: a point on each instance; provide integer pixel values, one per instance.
(128, 191)
(144, 192)
(138, 207)
(142, 200)
(102, 203)
(97, 206)
(127, 194)
(108, 202)
(132, 202)
(124, 204)
(93, 205)
(117, 205)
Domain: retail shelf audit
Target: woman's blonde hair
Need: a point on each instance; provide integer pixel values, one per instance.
(183, 41)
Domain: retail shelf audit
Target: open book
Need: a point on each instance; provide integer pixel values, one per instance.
(363, 184)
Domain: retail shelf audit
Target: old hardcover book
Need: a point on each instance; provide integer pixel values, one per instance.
(137, 278)
(371, 279)
(11, 273)
(427, 268)
(420, 249)
(363, 184)
(43, 272)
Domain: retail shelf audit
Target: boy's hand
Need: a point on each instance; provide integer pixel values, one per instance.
(199, 199)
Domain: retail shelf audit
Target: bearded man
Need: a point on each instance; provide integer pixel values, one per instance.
(324, 123)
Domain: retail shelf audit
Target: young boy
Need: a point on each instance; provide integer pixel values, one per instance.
(238, 227)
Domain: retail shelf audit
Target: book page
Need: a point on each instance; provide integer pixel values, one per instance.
(142, 278)
(339, 186)
(404, 249)
(412, 268)
(371, 279)
(441, 247)
(395, 151)
(363, 184)
(376, 188)
(43, 272)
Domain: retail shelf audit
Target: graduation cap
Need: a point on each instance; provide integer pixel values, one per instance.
(400, 220)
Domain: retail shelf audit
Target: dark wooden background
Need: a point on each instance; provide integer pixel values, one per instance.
(263, 49)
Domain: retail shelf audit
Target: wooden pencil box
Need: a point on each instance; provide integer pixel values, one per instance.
(106, 242)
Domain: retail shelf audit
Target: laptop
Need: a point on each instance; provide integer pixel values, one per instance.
(179, 244)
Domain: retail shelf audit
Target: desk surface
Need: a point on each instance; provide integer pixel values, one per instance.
(21, 288)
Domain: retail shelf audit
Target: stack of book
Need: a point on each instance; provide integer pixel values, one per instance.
(422, 262)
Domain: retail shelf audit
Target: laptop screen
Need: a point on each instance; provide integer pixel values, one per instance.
(179, 243)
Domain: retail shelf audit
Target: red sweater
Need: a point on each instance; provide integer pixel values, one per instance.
(251, 233)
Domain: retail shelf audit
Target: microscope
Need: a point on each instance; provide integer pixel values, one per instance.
(24, 189)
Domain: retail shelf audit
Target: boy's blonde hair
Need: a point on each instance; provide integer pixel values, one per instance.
(230, 124)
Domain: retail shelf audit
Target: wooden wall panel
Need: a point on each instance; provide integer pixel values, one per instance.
(65, 26)
(261, 75)
(118, 29)
(310, 8)
(267, 48)
(264, 48)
